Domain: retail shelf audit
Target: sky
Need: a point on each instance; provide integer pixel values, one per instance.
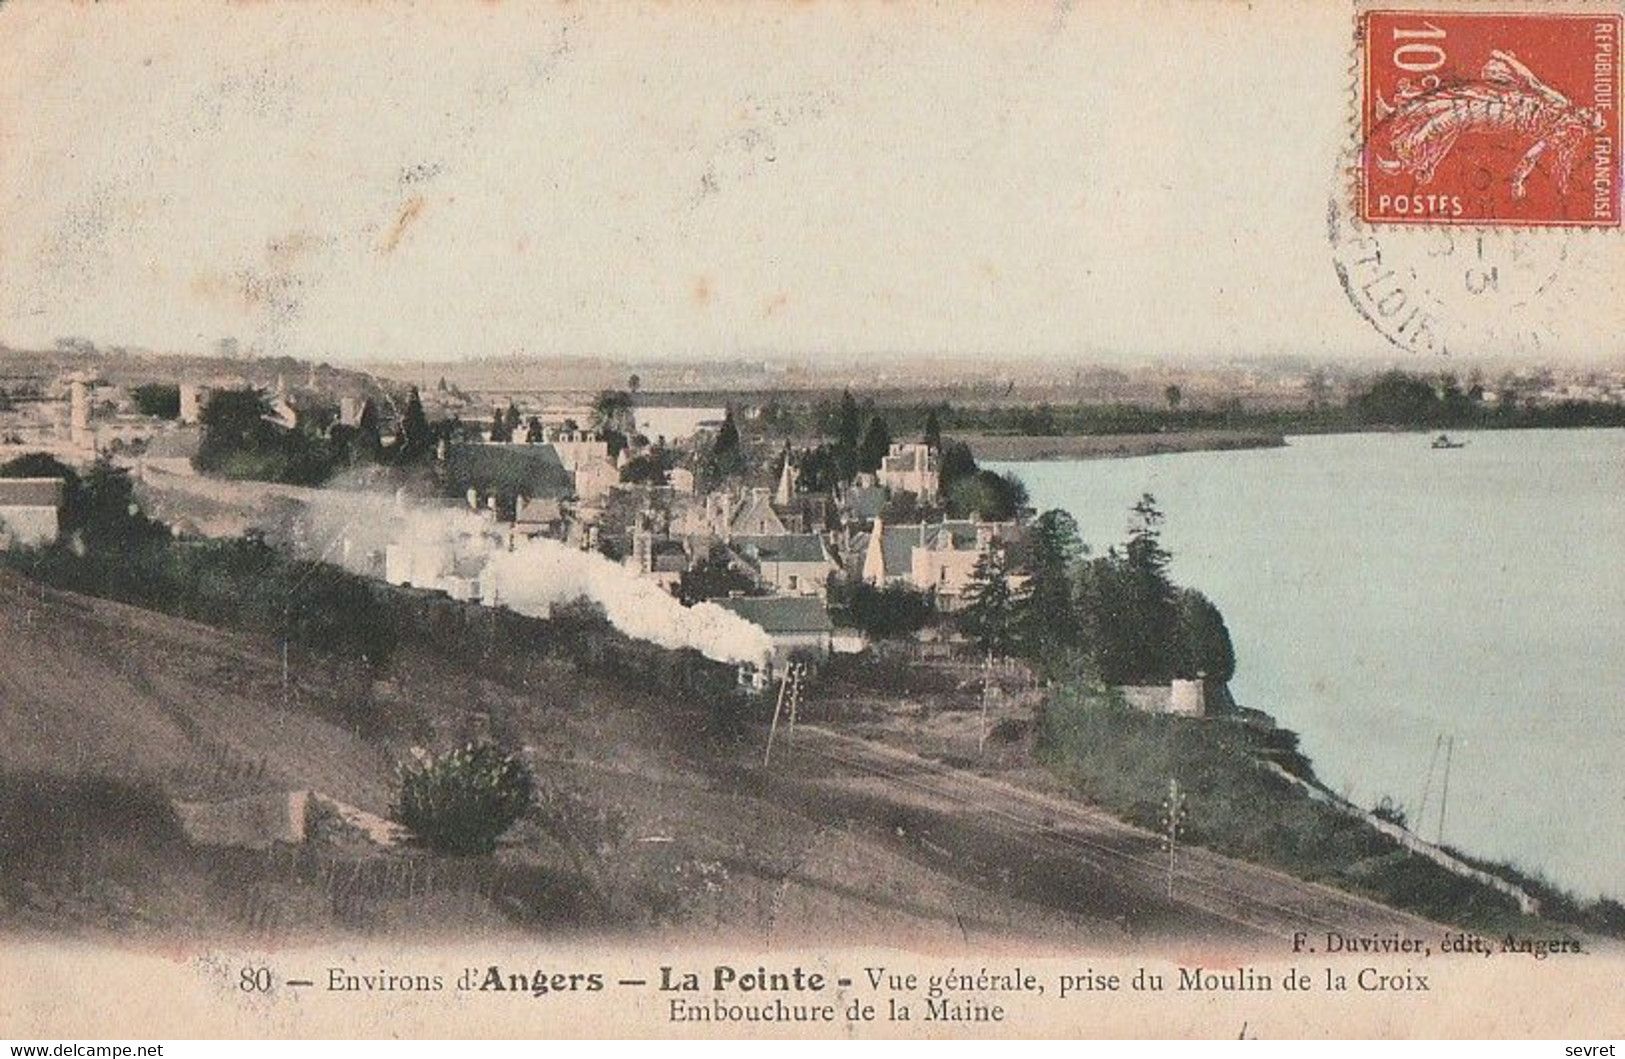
(347, 182)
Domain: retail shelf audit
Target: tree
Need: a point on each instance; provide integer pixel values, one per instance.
(990, 614)
(725, 459)
(1052, 548)
(1130, 614)
(462, 801)
(893, 611)
(648, 469)
(1398, 399)
(1039, 421)
(511, 420)
(817, 471)
(365, 442)
(417, 440)
(847, 429)
(957, 462)
(158, 400)
(1319, 386)
(1173, 396)
(876, 444)
(613, 410)
(500, 430)
(714, 577)
(986, 495)
(234, 423)
(933, 431)
(1206, 649)
(728, 436)
(633, 382)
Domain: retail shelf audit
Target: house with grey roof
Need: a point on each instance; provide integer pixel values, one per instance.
(29, 512)
(939, 558)
(508, 471)
(794, 564)
(794, 624)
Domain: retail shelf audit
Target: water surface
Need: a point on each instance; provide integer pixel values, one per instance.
(1381, 594)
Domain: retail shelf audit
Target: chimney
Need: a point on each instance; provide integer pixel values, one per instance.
(79, 414)
(874, 558)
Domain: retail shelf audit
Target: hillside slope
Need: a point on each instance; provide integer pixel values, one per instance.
(107, 712)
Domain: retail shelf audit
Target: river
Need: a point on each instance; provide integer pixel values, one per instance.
(1382, 594)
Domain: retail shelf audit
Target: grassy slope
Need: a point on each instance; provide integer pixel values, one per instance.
(1123, 759)
(111, 709)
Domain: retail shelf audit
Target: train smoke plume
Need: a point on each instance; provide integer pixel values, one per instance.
(528, 576)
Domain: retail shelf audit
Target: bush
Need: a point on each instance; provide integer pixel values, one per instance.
(891, 612)
(461, 802)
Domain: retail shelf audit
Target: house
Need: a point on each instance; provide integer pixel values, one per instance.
(192, 398)
(1180, 697)
(723, 515)
(539, 517)
(595, 478)
(885, 555)
(282, 413)
(171, 451)
(939, 558)
(661, 560)
(795, 624)
(864, 500)
(911, 468)
(508, 471)
(794, 564)
(578, 447)
(29, 511)
(755, 517)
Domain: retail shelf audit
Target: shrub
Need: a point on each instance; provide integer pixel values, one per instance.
(461, 802)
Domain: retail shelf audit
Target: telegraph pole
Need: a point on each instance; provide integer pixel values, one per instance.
(1173, 819)
(796, 671)
(987, 682)
(778, 707)
(1444, 790)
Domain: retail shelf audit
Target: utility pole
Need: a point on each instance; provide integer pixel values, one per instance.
(1173, 819)
(987, 682)
(796, 671)
(778, 707)
(1427, 786)
(1444, 789)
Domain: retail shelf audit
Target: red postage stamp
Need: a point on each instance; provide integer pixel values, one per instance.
(1490, 119)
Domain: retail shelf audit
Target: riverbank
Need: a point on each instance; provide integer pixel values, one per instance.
(1023, 447)
(1248, 792)
(1409, 639)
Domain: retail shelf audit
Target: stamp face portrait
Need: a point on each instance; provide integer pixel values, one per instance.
(1490, 119)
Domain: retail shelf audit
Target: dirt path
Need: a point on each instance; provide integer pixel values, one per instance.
(1067, 855)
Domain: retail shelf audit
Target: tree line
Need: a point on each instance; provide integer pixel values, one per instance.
(1119, 615)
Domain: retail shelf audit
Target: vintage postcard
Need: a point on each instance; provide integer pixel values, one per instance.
(842, 519)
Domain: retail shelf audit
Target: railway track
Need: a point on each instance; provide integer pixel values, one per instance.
(1255, 899)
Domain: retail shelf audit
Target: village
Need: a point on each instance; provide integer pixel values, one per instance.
(823, 564)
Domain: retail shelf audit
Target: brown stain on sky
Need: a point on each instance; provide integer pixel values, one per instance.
(213, 287)
(773, 305)
(409, 213)
(702, 292)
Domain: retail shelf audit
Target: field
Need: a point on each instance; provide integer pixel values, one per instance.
(1018, 447)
